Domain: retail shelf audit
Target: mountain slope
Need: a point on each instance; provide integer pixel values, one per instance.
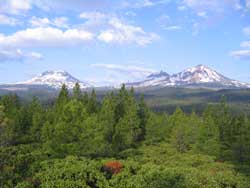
(196, 77)
(54, 79)
(199, 76)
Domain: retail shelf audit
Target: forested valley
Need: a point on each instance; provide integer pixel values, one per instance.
(118, 142)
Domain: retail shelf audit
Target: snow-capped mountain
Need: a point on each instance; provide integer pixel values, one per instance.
(200, 76)
(54, 79)
(155, 79)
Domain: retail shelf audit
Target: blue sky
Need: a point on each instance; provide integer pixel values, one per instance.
(113, 41)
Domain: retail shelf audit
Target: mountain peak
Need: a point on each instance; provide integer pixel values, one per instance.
(158, 74)
(200, 75)
(50, 72)
(55, 79)
(199, 67)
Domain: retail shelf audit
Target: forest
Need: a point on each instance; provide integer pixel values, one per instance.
(79, 141)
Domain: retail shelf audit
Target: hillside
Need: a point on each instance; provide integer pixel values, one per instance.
(79, 141)
(158, 99)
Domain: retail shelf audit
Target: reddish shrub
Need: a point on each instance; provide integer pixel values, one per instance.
(113, 167)
(219, 161)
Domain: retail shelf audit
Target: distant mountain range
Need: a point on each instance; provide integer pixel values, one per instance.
(197, 77)
(55, 79)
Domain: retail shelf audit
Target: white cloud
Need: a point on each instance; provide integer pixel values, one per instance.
(6, 20)
(60, 22)
(113, 30)
(143, 3)
(163, 20)
(39, 22)
(213, 6)
(173, 28)
(46, 33)
(74, 5)
(209, 12)
(201, 4)
(202, 14)
(245, 44)
(246, 30)
(125, 68)
(248, 4)
(117, 73)
(18, 55)
(130, 13)
(166, 23)
(243, 54)
(94, 19)
(92, 15)
(45, 37)
(181, 7)
(125, 33)
(196, 28)
(15, 6)
(18, 6)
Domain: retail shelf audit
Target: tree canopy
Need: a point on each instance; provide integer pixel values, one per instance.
(81, 141)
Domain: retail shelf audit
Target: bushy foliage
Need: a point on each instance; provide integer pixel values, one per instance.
(112, 167)
(119, 142)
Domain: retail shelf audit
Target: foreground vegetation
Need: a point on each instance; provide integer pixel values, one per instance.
(79, 142)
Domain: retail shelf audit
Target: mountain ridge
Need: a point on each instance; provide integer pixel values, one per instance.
(54, 79)
(199, 76)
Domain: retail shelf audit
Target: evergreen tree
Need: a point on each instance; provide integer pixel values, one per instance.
(63, 97)
(6, 131)
(92, 103)
(77, 94)
(121, 103)
(11, 105)
(107, 118)
(158, 128)
(62, 137)
(240, 142)
(143, 115)
(85, 98)
(38, 119)
(127, 129)
(208, 139)
(223, 120)
(184, 130)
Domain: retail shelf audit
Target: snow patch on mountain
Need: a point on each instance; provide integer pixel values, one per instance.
(55, 79)
(199, 75)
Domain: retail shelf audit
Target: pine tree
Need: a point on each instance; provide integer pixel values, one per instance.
(7, 133)
(38, 119)
(122, 98)
(240, 137)
(63, 97)
(62, 137)
(77, 94)
(92, 103)
(85, 98)
(143, 115)
(208, 139)
(127, 128)
(11, 105)
(184, 133)
(107, 116)
(223, 120)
